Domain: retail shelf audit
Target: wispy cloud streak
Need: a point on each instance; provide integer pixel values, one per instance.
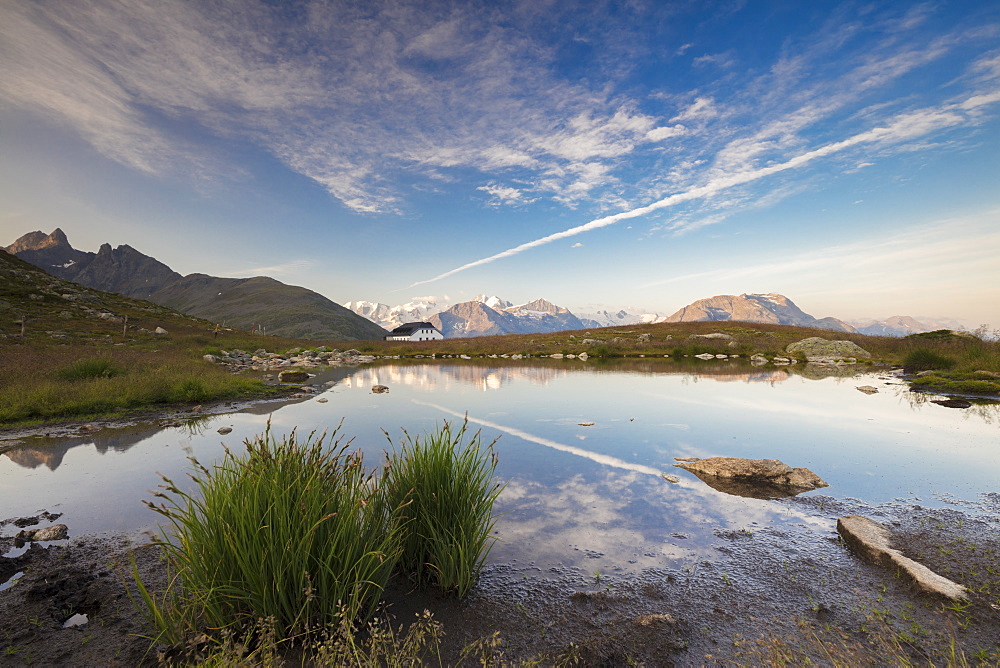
(902, 128)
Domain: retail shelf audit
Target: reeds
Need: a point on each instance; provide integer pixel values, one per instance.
(296, 532)
(446, 489)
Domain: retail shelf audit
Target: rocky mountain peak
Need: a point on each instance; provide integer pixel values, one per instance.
(757, 307)
(542, 306)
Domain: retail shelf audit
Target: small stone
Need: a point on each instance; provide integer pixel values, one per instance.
(868, 389)
(76, 620)
(293, 376)
(587, 424)
(159, 330)
(225, 430)
(322, 400)
(379, 389)
(670, 478)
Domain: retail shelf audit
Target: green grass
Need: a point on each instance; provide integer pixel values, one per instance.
(40, 389)
(293, 531)
(923, 359)
(447, 491)
(298, 533)
(86, 369)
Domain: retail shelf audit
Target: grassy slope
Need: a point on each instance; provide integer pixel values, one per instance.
(247, 302)
(63, 329)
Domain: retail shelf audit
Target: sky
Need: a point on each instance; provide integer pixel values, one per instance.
(601, 155)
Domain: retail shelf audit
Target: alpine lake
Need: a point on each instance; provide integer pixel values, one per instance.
(583, 447)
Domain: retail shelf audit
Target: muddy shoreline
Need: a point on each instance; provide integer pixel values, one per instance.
(770, 590)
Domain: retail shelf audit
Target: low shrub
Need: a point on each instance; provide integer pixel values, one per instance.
(87, 369)
(446, 489)
(296, 532)
(192, 389)
(922, 359)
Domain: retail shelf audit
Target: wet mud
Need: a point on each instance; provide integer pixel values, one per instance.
(771, 594)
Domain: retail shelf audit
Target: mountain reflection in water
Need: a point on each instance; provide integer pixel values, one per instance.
(587, 495)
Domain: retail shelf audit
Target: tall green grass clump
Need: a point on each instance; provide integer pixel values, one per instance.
(922, 359)
(444, 482)
(87, 369)
(295, 532)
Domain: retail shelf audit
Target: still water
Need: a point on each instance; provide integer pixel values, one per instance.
(589, 496)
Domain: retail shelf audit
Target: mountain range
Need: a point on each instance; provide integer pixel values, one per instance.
(287, 310)
(486, 316)
(259, 302)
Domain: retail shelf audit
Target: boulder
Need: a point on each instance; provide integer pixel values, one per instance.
(54, 532)
(754, 478)
(159, 330)
(871, 541)
(818, 349)
(952, 403)
(293, 376)
(758, 360)
(714, 335)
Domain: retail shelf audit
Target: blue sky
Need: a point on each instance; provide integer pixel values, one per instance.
(598, 154)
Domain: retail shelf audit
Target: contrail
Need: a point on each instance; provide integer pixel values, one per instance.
(903, 127)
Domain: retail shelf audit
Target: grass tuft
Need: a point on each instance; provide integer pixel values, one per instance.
(87, 369)
(294, 531)
(922, 359)
(448, 491)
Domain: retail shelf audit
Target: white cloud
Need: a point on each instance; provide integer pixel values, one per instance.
(665, 132)
(702, 109)
(719, 59)
(900, 129)
(293, 268)
(503, 195)
(361, 102)
(577, 245)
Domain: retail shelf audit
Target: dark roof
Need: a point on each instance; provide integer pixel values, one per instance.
(410, 327)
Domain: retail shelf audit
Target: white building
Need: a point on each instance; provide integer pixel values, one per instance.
(415, 331)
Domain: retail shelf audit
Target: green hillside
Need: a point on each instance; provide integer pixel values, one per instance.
(252, 303)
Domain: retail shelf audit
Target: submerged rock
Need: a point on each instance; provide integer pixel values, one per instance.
(871, 541)
(379, 389)
(952, 403)
(754, 478)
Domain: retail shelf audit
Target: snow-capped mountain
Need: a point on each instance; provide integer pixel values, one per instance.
(482, 316)
(623, 317)
(391, 317)
(904, 325)
(487, 316)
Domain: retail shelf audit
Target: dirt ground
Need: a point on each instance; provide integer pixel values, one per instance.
(776, 595)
